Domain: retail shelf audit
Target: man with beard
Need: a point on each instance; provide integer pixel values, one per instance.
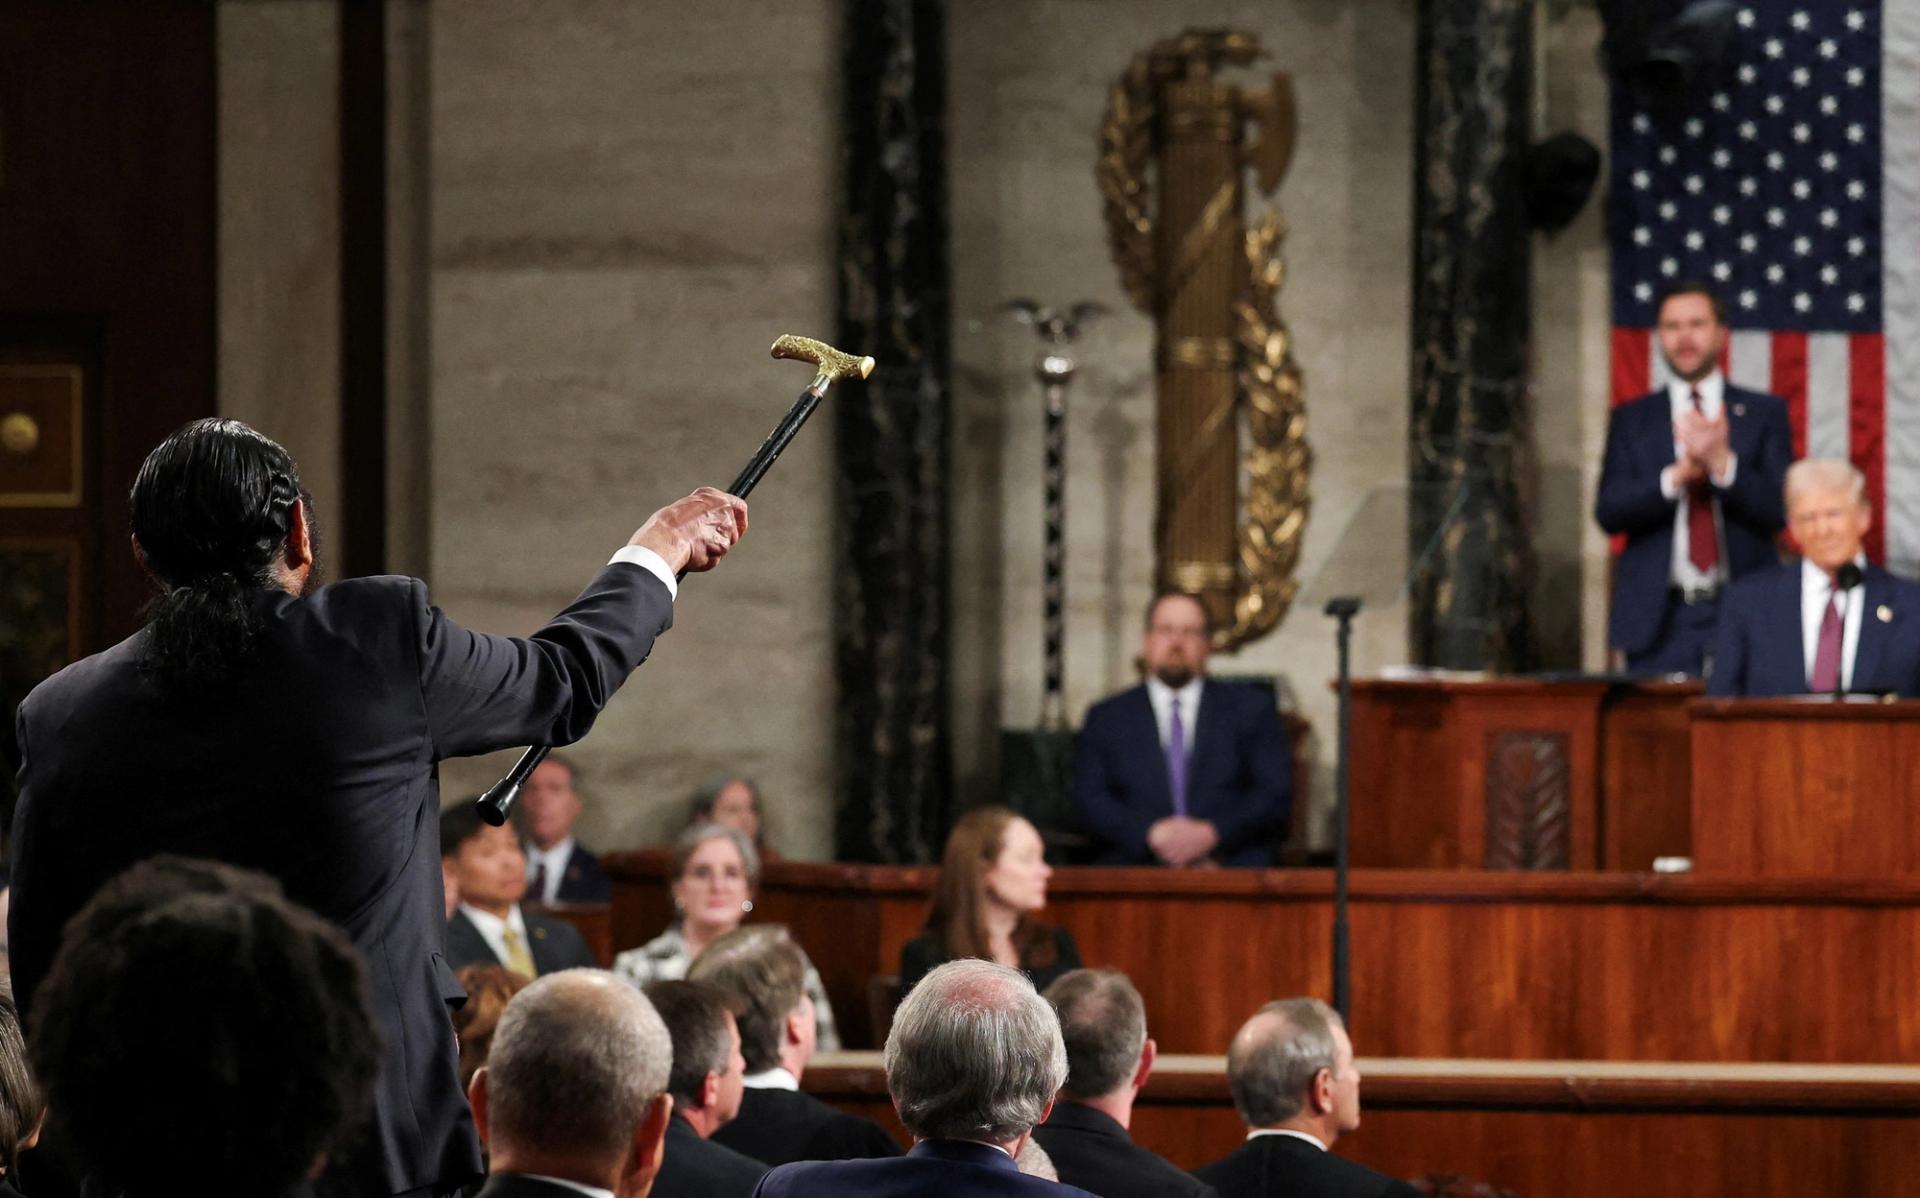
(269, 723)
(1183, 770)
(1692, 479)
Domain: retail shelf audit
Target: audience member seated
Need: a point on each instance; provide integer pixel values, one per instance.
(574, 1096)
(1790, 630)
(21, 1108)
(716, 872)
(993, 881)
(559, 868)
(763, 968)
(1291, 1072)
(734, 802)
(1109, 1056)
(489, 927)
(489, 988)
(198, 1033)
(1182, 770)
(706, 1088)
(973, 1062)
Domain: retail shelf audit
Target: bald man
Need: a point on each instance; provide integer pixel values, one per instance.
(1795, 629)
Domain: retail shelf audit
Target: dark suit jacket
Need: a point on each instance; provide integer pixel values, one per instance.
(318, 767)
(513, 1185)
(1239, 775)
(697, 1168)
(1092, 1151)
(777, 1126)
(553, 943)
(1285, 1167)
(1752, 510)
(950, 1168)
(1759, 648)
(582, 881)
(920, 955)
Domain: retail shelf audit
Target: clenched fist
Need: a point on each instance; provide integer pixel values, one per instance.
(694, 533)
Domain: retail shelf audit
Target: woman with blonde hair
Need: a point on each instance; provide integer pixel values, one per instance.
(993, 881)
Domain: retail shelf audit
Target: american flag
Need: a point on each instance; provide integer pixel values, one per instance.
(1794, 189)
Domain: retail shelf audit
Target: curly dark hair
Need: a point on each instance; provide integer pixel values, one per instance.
(195, 1018)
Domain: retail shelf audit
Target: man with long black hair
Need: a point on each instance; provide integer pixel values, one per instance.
(265, 721)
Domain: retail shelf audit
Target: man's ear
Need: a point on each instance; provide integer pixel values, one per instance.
(647, 1148)
(795, 1025)
(477, 1099)
(299, 537)
(1148, 1052)
(1322, 1092)
(709, 1090)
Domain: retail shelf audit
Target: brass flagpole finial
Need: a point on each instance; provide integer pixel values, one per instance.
(834, 365)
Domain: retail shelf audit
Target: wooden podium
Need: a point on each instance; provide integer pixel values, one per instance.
(1519, 773)
(1811, 787)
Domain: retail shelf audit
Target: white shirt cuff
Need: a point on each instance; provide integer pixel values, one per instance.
(1667, 487)
(648, 560)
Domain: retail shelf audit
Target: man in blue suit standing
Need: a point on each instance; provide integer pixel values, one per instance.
(1801, 628)
(1692, 478)
(1181, 770)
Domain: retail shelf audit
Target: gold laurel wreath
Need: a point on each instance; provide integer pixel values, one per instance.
(1269, 394)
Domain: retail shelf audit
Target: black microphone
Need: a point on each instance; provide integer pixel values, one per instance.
(1845, 579)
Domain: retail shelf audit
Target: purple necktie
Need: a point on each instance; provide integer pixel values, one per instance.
(1826, 653)
(1177, 759)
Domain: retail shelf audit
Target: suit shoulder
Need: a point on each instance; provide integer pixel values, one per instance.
(1105, 708)
(1752, 588)
(1758, 399)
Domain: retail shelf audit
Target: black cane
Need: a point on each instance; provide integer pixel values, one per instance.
(497, 803)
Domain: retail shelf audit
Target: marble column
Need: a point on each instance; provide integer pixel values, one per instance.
(1468, 433)
(890, 617)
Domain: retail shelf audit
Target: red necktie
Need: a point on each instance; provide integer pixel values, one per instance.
(1826, 658)
(1703, 539)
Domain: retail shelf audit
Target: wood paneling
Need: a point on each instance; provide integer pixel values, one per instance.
(1795, 787)
(1560, 1129)
(1445, 773)
(1446, 963)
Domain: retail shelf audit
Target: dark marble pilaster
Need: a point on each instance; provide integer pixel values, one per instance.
(1471, 277)
(893, 433)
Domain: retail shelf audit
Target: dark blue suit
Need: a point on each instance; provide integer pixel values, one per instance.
(1760, 648)
(1239, 774)
(1752, 510)
(950, 1168)
(318, 766)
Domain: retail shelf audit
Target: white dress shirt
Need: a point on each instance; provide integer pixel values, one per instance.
(1816, 591)
(775, 1078)
(649, 561)
(581, 1187)
(493, 929)
(1286, 1131)
(1686, 575)
(555, 859)
(1162, 696)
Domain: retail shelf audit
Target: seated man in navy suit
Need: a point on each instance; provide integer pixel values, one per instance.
(973, 1061)
(1294, 1083)
(1798, 628)
(489, 927)
(1692, 480)
(1181, 770)
(559, 869)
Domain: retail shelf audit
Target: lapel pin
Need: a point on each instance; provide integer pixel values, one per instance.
(1885, 613)
(1739, 409)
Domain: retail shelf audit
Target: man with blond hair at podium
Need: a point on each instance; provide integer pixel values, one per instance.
(1828, 623)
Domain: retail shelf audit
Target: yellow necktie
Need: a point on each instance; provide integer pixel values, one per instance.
(518, 958)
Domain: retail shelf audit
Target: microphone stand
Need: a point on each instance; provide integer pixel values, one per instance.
(1845, 579)
(497, 803)
(1343, 609)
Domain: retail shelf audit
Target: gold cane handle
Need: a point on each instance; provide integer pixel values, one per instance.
(833, 364)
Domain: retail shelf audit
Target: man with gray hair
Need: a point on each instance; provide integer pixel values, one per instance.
(1294, 1083)
(573, 1098)
(1830, 622)
(973, 1063)
(1104, 1025)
